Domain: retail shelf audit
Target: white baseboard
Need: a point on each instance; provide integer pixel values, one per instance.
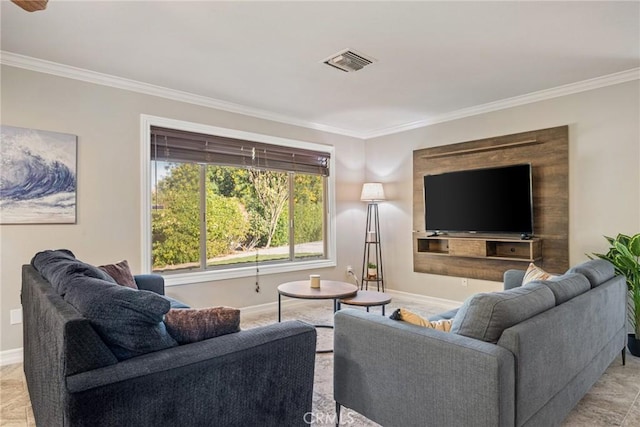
(424, 298)
(9, 357)
(272, 307)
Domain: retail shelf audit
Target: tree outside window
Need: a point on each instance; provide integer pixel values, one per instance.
(208, 216)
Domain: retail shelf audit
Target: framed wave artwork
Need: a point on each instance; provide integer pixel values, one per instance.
(38, 180)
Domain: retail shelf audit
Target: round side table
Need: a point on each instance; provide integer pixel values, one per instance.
(367, 299)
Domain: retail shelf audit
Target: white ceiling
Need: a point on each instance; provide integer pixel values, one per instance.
(434, 59)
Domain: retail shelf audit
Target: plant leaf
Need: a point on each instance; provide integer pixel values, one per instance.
(623, 238)
(634, 245)
(623, 250)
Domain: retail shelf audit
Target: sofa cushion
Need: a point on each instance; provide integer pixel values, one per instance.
(121, 273)
(57, 266)
(567, 286)
(535, 273)
(192, 325)
(175, 303)
(129, 321)
(597, 271)
(484, 316)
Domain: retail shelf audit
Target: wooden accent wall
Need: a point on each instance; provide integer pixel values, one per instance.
(548, 152)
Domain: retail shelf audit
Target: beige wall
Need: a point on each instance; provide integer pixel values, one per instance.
(107, 123)
(604, 181)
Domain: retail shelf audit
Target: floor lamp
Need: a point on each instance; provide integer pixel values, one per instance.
(372, 192)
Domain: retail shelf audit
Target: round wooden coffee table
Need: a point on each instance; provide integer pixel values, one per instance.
(367, 299)
(328, 289)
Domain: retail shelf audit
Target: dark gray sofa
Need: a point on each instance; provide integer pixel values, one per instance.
(261, 376)
(398, 374)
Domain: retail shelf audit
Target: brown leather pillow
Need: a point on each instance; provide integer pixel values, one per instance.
(188, 325)
(121, 273)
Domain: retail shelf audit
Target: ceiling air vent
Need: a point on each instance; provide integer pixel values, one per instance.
(349, 61)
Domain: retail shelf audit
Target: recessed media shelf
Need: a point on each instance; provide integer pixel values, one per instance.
(482, 247)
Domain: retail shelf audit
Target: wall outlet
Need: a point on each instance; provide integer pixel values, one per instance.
(349, 269)
(15, 316)
(465, 281)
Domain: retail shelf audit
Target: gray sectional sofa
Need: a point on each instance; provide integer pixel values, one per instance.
(261, 376)
(521, 357)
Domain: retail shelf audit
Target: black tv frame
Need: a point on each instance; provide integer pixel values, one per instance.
(467, 174)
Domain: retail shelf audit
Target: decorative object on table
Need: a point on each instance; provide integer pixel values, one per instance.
(372, 192)
(624, 254)
(314, 280)
(38, 177)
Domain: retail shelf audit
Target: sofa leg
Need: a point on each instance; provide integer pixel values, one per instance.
(337, 414)
(624, 356)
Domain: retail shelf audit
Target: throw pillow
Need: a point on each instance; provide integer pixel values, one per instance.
(121, 273)
(192, 325)
(534, 273)
(405, 315)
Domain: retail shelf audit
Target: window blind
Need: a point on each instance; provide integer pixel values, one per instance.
(181, 146)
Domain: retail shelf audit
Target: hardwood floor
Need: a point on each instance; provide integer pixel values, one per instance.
(613, 401)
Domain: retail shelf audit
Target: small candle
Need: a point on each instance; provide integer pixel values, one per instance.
(314, 279)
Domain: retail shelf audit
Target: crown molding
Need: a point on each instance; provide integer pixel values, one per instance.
(48, 67)
(542, 95)
(61, 70)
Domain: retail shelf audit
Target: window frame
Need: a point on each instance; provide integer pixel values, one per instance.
(173, 279)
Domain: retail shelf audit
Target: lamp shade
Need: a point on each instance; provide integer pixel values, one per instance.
(372, 191)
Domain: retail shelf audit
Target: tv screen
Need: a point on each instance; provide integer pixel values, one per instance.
(492, 200)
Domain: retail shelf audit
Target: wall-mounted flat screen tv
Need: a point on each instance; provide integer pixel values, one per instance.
(491, 200)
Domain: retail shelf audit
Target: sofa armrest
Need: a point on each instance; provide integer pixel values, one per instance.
(398, 374)
(261, 376)
(513, 279)
(150, 282)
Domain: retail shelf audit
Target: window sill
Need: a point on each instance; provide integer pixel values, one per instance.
(249, 271)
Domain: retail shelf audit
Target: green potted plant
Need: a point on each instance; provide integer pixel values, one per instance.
(624, 254)
(372, 271)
